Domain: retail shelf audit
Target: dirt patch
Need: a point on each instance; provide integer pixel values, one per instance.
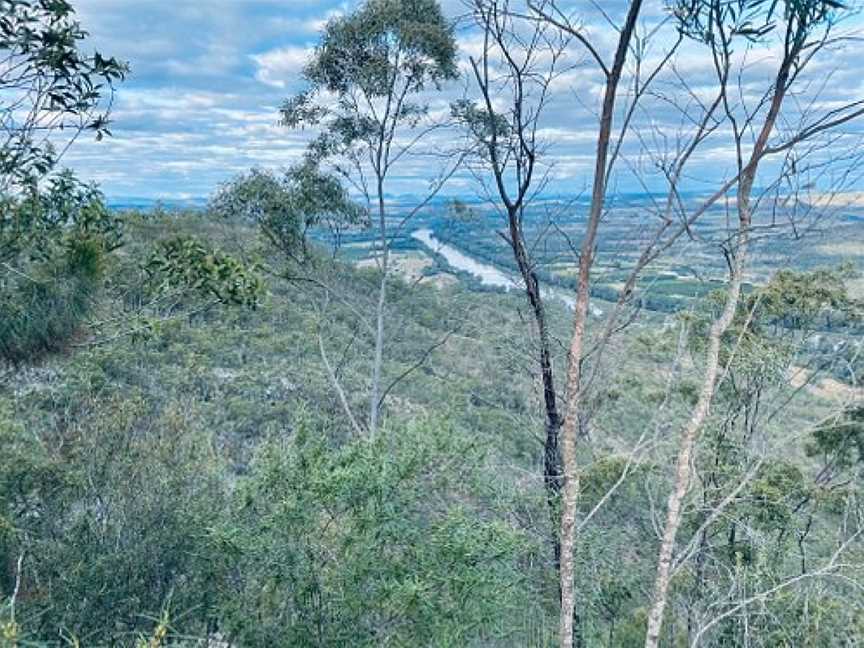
(412, 267)
(442, 280)
(825, 388)
(856, 288)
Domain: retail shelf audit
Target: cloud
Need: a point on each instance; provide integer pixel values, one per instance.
(280, 67)
(207, 78)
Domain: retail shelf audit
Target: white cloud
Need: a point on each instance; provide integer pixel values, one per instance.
(207, 77)
(278, 67)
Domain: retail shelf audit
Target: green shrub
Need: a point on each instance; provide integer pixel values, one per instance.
(109, 510)
(53, 247)
(373, 543)
(41, 310)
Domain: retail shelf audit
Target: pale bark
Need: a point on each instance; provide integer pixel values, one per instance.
(684, 469)
(570, 468)
(378, 359)
(337, 386)
(688, 441)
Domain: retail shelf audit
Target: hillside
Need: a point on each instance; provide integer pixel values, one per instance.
(431, 323)
(148, 443)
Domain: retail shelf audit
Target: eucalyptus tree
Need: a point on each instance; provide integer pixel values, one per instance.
(514, 74)
(51, 90)
(369, 82)
(764, 520)
(803, 29)
(707, 114)
(612, 73)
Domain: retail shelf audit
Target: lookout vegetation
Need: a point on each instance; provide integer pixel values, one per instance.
(223, 427)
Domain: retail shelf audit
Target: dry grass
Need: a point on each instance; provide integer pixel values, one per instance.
(825, 388)
(411, 266)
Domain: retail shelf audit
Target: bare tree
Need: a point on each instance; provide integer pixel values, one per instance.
(612, 73)
(514, 74)
(805, 29)
(706, 120)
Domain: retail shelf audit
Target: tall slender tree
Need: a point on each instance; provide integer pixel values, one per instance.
(513, 74)
(605, 137)
(717, 24)
(804, 27)
(367, 80)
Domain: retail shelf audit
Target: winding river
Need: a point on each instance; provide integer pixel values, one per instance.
(488, 274)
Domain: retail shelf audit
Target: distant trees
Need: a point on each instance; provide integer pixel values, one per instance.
(284, 208)
(377, 62)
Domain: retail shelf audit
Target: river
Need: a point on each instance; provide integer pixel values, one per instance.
(488, 274)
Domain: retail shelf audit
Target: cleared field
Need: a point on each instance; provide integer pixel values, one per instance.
(414, 268)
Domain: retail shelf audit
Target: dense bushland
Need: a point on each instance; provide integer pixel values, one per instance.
(217, 430)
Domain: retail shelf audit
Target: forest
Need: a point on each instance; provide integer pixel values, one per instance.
(549, 335)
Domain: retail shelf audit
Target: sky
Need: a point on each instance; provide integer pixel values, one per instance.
(200, 104)
(207, 77)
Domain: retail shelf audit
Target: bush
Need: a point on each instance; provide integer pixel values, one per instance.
(374, 543)
(54, 247)
(41, 310)
(109, 510)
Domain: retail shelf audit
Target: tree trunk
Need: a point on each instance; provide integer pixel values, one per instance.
(683, 466)
(378, 360)
(551, 453)
(574, 369)
(683, 469)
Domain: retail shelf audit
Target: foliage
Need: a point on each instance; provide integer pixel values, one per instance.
(285, 208)
(840, 443)
(55, 244)
(108, 508)
(752, 20)
(185, 265)
(387, 48)
(54, 233)
(483, 128)
(47, 73)
(800, 299)
(411, 37)
(34, 225)
(770, 321)
(416, 561)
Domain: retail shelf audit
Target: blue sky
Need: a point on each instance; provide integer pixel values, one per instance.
(200, 104)
(208, 75)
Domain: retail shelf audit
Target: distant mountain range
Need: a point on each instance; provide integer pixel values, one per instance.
(139, 202)
(135, 202)
(620, 199)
